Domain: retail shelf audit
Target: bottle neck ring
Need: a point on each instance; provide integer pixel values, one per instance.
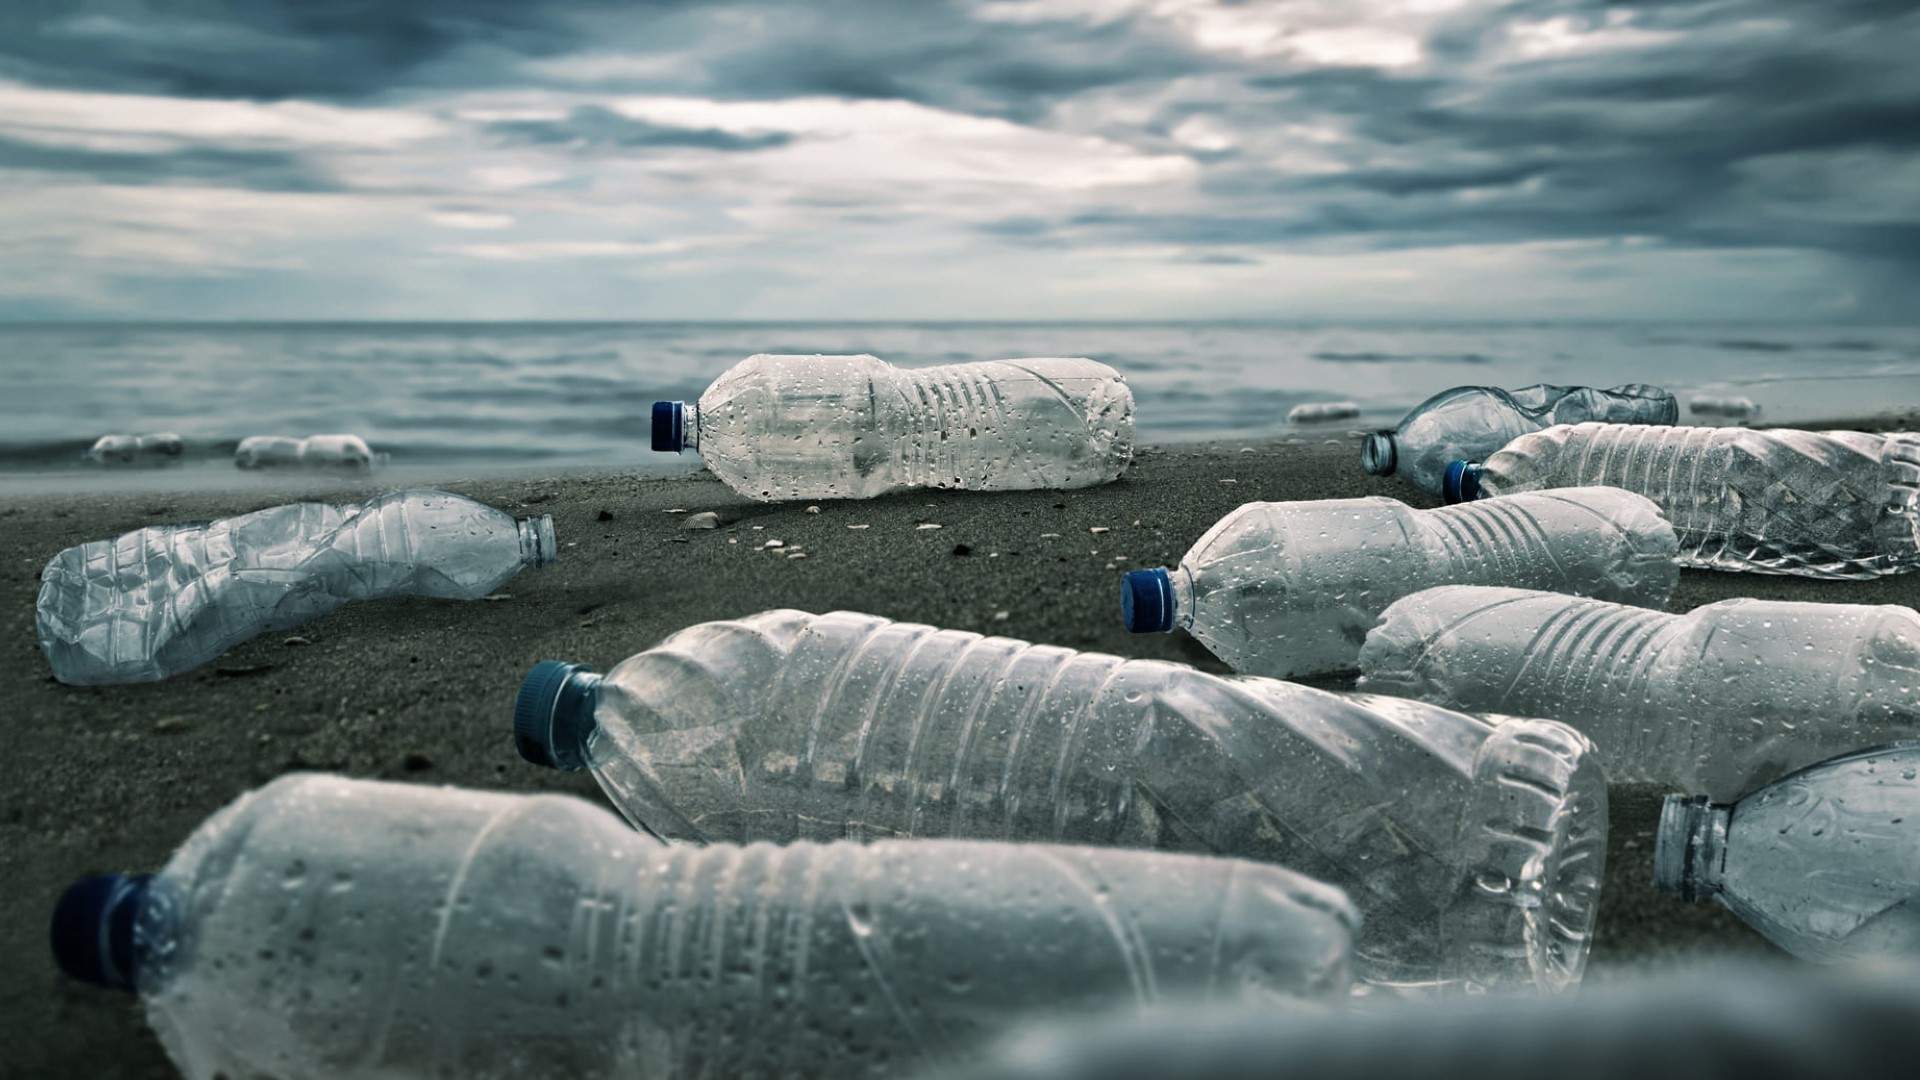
(537, 546)
(1690, 847)
(1378, 455)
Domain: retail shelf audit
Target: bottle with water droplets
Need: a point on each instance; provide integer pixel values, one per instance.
(1473, 850)
(165, 599)
(1827, 504)
(1290, 589)
(852, 427)
(1470, 422)
(1824, 863)
(323, 927)
(1716, 701)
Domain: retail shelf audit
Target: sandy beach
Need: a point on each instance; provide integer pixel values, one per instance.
(113, 778)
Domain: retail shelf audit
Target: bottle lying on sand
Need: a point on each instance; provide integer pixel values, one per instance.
(1824, 863)
(1470, 422)
(165, 599)
(1714, 702)
(1830, 504)
(852, 427)
(312, 452)
(1473, 850)
(1722, 1021)
(161, 448)
(1290, 589)
(326, 927)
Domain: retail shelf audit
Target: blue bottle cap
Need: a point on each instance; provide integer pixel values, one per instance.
(1462, 482)
(553, 714)
(669, 426)
(93, 928)
(1146, 601)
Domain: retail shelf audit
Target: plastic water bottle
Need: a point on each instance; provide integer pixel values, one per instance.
(1723, 1022)
(165, 599)
(326, 927)
(1291, 589)
(1319, 412)
(1824, 863)
(1716, 701)
(314, 452)
(160, 448)
(852, 427)
(1829, 504)
(1731, 406)
(1470, 422)
(1474, 851)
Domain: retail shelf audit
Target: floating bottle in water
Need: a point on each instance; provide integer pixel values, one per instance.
(1470, 422)
(313, 452)
(1716, 701)
(852, 427)
(165, 599)
(1291, 589)
(160, 448)
(1824, 863)
(1473, 850)
(326, 927)
(1830, 504)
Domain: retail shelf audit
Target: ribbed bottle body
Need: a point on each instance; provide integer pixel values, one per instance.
(835, 427)
(790, 726)
(342, 929)
(161, 600)
(1832, 504)
(1291, 589)
(1467, 423)
(1716, 701)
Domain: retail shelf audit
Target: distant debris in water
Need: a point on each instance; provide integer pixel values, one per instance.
(315, 451)
(1316, 411)
(1732, 406)
(161, 448)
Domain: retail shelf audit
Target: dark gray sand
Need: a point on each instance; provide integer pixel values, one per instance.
(113, 778)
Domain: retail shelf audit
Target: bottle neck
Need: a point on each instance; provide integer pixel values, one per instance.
(1378, 454)
(537, 547)
(1690, 847)
(1183, 596)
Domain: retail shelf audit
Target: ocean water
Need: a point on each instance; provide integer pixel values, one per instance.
(504, 395)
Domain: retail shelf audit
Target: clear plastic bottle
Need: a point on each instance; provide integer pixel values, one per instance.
(1470, 422)
(164, 599)
(1718, 1022)
(160, 448)
(852, 427)
(1824, 863)
(1828, 504)
(1473, 850)
(1291, 589)
(323, 927)
(1716, 701)
(314, 451)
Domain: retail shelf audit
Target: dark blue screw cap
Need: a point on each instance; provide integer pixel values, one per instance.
(93, 928)
(669, 426)
(1462, 482)
(553, 714)
(1146, 601)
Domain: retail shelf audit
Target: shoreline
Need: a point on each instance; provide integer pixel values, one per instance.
(113, 778)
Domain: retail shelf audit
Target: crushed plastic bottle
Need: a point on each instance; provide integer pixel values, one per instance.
(160, 448)
(1824, 863)
(165, 599)
(1721, 1022)
(1290, 589)
(313, 452)
(1716, 701)
(1828, 504)
(852, 427)
(350, 930)
(1474, 851)
(1315, 412)
(1471, 422)
(1731, 406)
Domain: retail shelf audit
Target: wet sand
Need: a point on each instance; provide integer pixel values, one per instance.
(112, 778)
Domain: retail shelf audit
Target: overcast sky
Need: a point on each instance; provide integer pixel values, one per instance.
(913, 159)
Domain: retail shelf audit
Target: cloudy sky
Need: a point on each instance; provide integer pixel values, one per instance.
(956, 159)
